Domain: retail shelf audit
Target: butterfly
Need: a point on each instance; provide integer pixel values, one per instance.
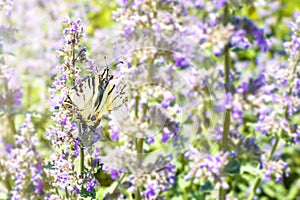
(93, 97)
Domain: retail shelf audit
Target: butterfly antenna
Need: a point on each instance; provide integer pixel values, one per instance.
(106, 66)
(105, 62)
(120, 62)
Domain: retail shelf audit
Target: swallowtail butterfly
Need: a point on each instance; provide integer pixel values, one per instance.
(93, 97)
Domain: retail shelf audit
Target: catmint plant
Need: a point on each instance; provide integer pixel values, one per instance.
(195, 99)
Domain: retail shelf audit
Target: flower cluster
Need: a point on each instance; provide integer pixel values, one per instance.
(154, 183)
(210, 31)
(207, 167)
(292, 47)
(7, 6)
(218, 30)
(10, 90)
(64, 135)
(23, 164)
(211, 86)
(276, 168)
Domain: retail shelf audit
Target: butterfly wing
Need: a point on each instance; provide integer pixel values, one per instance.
(115, 98)
(95, 96)
(81, 96)
(100, 100)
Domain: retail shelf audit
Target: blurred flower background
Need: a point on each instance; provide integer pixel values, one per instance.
(241, 143)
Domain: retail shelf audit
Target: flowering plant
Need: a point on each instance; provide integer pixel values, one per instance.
(194, 99)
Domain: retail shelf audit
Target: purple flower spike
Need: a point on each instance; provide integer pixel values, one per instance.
(91, 184)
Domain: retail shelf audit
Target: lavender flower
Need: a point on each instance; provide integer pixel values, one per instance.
(181, 62)
(115, 131)
(24, 164)
(246, 25)
(238, 40)
(263, 98)
(154, 183)
(63, 135)
(171, 16)
(91, 184)
(166, 134)
(292, 47)
(207, 167)
(276, 168)
(7, 6)
(12, 95)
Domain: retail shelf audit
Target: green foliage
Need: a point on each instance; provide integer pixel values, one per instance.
(233, 167)
(103, 178)
(88, 195)
(101, 15)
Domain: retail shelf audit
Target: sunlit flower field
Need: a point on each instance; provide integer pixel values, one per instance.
(150, 99)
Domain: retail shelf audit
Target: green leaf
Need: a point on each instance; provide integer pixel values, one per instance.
(206, 187)
(48, 166)
(103, 178)
(237, 49)
(103, 191)
(249, 117)
(172, 103)
(233, 167)
(126, 193)
(183, 183)
(85, 193)
(100, 193)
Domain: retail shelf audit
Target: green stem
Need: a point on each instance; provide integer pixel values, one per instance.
(10, 116)
(138, 194)
(226, 125)
(226, 15)
(67, 193)
(8, 185)
(73, 61)
(256, 183)
(56, 191)
(81, 159)
(275, 145)
(12, 126)
(222, 194)
(227, 64)
(136, 107)
(81, 153)
(139, 147)
(258, 179)
(151, 70)
(139, 150)
(119, 182)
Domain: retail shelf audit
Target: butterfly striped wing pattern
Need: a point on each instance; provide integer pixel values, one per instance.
(93, 97)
